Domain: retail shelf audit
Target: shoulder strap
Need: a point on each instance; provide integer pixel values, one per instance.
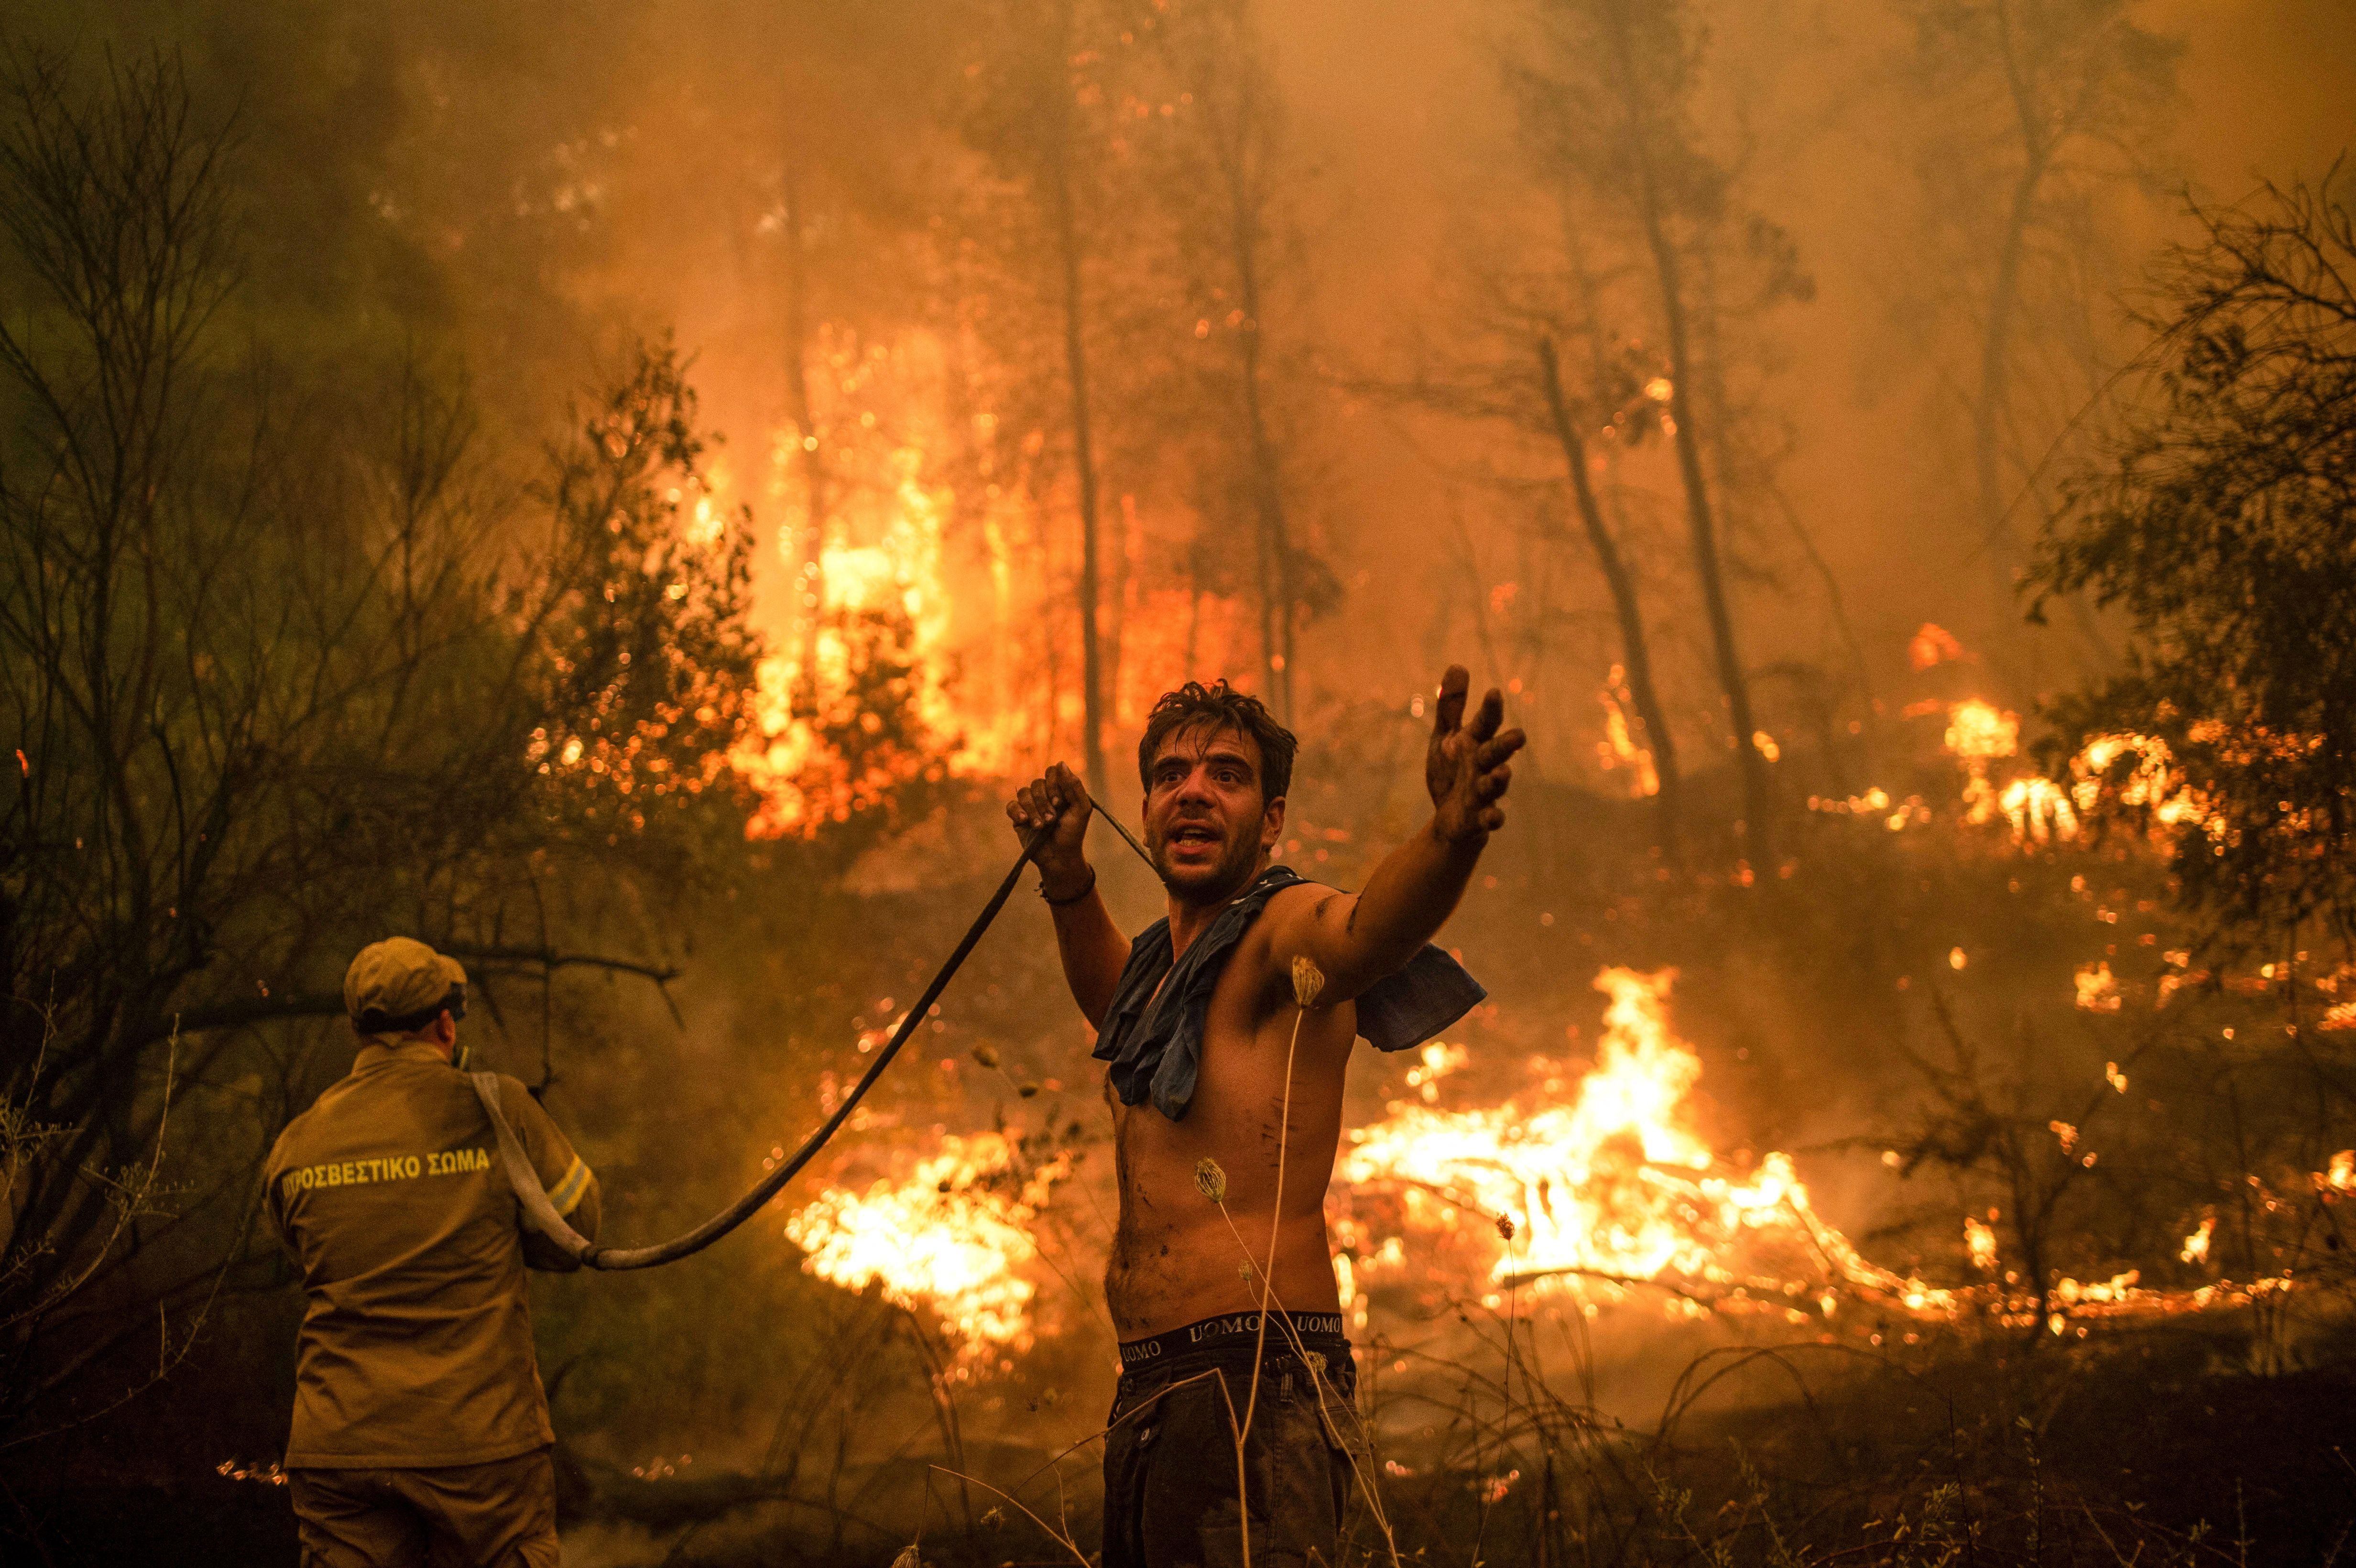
(523, 1179)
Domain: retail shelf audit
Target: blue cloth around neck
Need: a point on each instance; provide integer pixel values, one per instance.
(1154, 1040)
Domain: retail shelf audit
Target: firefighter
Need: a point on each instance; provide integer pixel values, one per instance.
(420, 1425)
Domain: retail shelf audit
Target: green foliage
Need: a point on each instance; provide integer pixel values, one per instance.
(2221, 518)
(645, 661)
(275, 656)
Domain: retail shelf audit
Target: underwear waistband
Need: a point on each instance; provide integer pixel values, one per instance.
(1317, 1331)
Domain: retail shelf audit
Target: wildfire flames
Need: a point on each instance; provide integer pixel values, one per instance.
(1595, 1184)
(1618, 749)
(952, 1236)
(891, 587)
(1589, 1191)
(925, 595)
(1608, 1187)
(2138, 771)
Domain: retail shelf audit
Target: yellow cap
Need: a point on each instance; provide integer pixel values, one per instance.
(393, 981)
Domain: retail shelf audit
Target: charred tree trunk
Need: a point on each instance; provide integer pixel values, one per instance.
(1275, 585)
(1118, 591)
(1760, 481)
(809, 542)
(1758, 787)
(1993, 401)
(1635, 652)
(1221, 61)
(1075, 364)
(1988, 405)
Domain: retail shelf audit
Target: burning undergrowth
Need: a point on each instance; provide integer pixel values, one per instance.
(1939, 1089)
(1594, 1183)
(1597, 1182)
(953, 1235)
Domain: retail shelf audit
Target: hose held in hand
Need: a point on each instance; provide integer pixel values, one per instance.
(543, 1216)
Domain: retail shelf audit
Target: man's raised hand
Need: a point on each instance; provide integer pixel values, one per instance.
(1466, 766)
(1055, 800)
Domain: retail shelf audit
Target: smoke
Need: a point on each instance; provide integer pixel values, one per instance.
(1300, 256)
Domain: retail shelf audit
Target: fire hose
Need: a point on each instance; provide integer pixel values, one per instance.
(542, 1215)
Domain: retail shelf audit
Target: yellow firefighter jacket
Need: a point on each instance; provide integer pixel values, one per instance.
(416, 1345)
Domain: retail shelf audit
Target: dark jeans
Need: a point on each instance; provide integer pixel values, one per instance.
(1175, 1495)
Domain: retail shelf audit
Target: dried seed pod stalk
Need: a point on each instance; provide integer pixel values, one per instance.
(1307, 980)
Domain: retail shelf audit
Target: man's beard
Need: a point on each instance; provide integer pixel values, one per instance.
(1221, 881)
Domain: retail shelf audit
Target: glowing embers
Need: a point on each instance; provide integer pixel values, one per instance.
(2038, 810)
(2098, 989)
(1876, 804)
(268, 1474)
(2137, 773)
(1979, 1242)
(2339, 986)
(1980, 730)
(1978, 733)
(2149, 780)
(952, 1237)
(1933, 645)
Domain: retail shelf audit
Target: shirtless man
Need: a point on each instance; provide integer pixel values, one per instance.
(1217, 1108)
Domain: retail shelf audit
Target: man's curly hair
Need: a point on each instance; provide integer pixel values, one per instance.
(1221, 707)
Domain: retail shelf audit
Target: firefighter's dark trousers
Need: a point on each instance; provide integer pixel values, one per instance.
(498, 1515)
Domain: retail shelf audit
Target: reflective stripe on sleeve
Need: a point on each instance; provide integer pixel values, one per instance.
(565, 1196)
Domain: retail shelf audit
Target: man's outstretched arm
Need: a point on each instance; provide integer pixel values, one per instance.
(1357, 941)
(1092, 948)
